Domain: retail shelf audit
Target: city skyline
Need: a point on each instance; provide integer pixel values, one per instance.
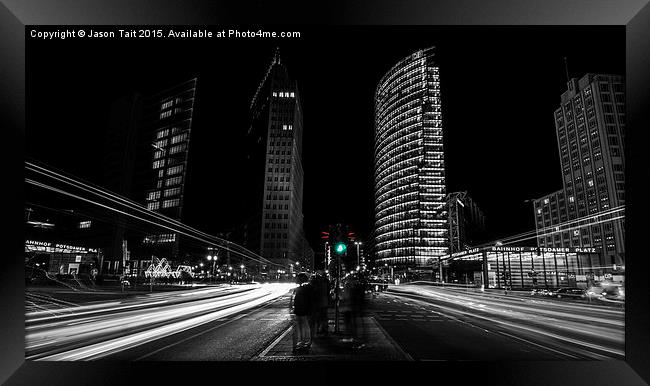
(453, 116)
(489, 133)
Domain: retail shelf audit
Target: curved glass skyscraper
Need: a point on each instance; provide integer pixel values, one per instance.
(410, 215)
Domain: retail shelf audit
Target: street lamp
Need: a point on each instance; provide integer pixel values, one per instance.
(358, 243)
(214, 262)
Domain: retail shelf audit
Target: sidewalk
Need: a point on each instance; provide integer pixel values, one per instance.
(379, 346)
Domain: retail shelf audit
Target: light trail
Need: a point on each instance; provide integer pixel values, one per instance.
(120, 328)
(102, 307)
(582, 221)
(105, 194)
(578, 327)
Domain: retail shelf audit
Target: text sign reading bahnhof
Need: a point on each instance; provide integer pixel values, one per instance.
(527, 249)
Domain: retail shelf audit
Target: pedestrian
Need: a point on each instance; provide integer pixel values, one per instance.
(301, 308)
(358, 309)
(313, 311)
(321, 302)
(353, 298)
(345, 306)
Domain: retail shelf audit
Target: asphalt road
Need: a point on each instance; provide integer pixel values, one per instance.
(146, 324)
(432, 323)
(224, 323)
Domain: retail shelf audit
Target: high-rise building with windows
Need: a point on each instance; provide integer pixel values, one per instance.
(146, 151)
(411, 224)
(589, 210)
(273, 213)
(166, 127)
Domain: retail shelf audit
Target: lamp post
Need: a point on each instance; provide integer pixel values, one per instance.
(358, 243)
(212, 269)
(326, 260)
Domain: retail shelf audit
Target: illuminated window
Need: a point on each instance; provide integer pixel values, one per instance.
(173, 181)
(172, 192)
(161, 143)
(177, 148)
(162, 133)
(179, 138)
(153, 195)
(171, 203)
(175, 170)
(85, 224)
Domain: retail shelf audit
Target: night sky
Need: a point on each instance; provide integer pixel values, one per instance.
(499, 89)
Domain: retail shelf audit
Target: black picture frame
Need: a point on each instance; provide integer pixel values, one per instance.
(635, 15)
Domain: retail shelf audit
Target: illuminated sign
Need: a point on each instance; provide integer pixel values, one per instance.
(524, 249)
(43, 246)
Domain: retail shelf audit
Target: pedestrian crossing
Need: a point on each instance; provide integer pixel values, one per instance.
(415, 316)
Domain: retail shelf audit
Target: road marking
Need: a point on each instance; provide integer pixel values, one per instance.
(464, 314)
(203, 332)
(275, 342)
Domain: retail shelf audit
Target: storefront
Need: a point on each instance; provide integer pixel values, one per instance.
(527, 267)
(60, 258)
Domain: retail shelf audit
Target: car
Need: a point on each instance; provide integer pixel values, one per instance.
(571, 292)
(378, 284)
(544, 291)
(613, 292)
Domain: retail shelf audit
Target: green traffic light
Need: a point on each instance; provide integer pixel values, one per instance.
(340, 248)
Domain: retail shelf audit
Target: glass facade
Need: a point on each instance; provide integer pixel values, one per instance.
(410, 218)
(526, 267)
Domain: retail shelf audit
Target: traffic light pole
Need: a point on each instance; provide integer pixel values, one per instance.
(337, 298)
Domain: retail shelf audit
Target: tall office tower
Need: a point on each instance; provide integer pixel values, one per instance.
(145, 160)
(166, 127)
(410, 215)
(274, 219)
(589, 210)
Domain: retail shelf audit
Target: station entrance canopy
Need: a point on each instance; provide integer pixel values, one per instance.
(527, 267)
